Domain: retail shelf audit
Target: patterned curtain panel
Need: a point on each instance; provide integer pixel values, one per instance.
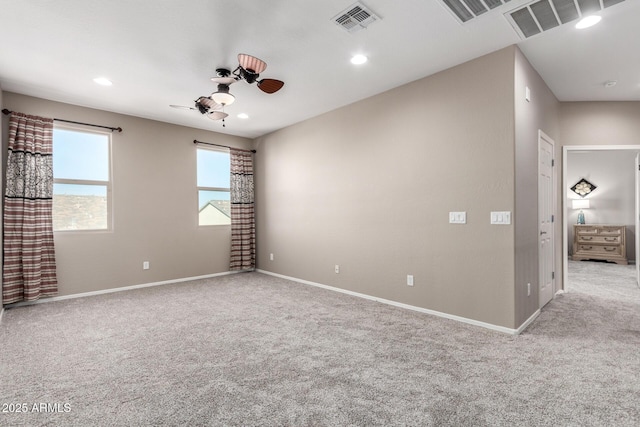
(29, 270)
(243, 224)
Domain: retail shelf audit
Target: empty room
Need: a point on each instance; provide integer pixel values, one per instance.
(325, 213)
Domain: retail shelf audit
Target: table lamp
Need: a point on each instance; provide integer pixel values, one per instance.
(580, 204)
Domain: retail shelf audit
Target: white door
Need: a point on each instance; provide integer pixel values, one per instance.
(545, 218)
(637, 217)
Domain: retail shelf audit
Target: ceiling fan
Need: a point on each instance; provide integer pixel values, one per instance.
(249, 69)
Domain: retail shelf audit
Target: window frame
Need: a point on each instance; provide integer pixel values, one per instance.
(204, 188)
(108, 184)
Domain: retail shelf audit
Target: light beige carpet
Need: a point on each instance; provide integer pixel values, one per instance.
(251, 349)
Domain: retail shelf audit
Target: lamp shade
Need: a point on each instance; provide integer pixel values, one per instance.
(580, 203)
(217, 115)
(222, 95)
(251, 63)
(223, 98)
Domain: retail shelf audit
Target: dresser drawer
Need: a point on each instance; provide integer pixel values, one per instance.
(584, 230)
(599, 230)
(602, 239)
(610, 231)
(599, 250)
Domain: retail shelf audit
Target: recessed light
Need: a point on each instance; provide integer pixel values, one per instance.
(588, 21)
(243, 116)
(610, 83)
(103, 81)
(358, 59)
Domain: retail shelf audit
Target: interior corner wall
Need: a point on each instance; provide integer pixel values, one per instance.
(154, 205)
(540, 113)
(369, 187)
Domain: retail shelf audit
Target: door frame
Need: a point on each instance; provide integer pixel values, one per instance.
(565, 191)
(554, 281)
(637, 216)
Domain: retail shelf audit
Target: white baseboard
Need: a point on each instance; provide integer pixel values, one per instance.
(410, 307)
(527, 322)
(293, 279)
(121, 289)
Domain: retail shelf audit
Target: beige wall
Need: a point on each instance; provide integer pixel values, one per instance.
(155, 208)
(369, 187)
(540, 113)
(600, 123)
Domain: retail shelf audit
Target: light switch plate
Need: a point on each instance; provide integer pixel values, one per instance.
(457, 217)
(501, 218)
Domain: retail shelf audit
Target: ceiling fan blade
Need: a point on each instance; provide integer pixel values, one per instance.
(270, 85)
(223, 80)
(207, 103)
(252, 63)
(182, 107)
(217, 115)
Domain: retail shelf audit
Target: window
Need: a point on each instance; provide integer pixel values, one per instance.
(214, 201)
(81, 180)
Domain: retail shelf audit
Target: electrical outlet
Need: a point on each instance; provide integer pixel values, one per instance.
(337, 269)
(271, 257)
(145, 265)
(528, 289)
(409, 280)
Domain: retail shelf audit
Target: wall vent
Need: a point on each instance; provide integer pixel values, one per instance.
(356, 17)
(542, 15)
(465, 10)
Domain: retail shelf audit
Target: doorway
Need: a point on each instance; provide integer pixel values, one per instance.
(606, 206)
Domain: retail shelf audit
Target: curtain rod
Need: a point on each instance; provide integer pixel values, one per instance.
(119, 129)
(195, 141)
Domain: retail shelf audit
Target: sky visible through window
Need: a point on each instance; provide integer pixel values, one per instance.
(84, 156)
(214, 171)
(80, 155)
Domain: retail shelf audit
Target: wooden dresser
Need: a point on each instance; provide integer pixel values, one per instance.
(602, 242)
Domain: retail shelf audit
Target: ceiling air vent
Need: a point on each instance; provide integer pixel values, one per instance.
(355, 17)
(542, 15)
(465, 10)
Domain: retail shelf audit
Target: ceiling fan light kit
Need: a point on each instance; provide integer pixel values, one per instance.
(249, 69)
(222, 96)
